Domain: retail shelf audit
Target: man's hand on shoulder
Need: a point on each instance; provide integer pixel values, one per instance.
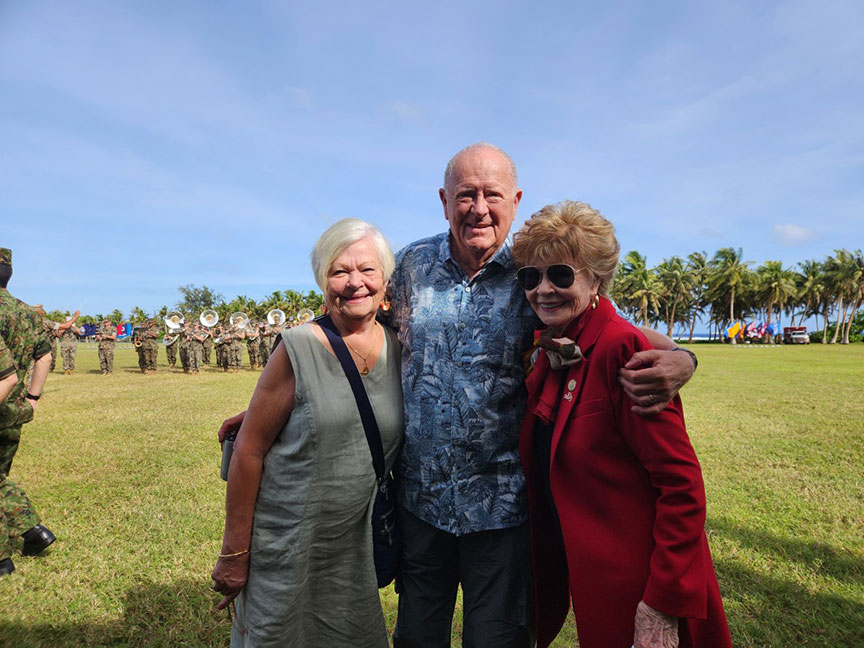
(651, 378)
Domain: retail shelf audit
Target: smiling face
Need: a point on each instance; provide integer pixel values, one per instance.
(557, 307)
(480, 202)
(355, 282)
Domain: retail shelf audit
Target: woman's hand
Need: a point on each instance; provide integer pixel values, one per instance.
(231, 426)
(229, 577)
(654, 629)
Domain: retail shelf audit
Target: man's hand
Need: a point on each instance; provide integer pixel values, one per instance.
(652, 378)
(33, 404)
(653, 629)
(231, 426)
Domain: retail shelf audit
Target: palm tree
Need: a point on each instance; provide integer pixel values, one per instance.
(639, 285)
(675, 285)
(845, 278)
(854, 289)
(810, 283)
(728, 275)
(776, 287)
(697, 269)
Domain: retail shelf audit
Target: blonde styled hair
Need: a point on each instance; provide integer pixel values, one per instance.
(342, 235)
(568, 231)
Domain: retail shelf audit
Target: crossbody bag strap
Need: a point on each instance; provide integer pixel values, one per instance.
(370, 425)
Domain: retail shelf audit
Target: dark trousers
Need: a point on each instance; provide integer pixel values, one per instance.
(494, 570)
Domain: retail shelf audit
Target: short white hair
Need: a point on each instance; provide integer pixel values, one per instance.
(342, 235)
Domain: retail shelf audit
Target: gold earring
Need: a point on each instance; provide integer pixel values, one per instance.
(594, 301)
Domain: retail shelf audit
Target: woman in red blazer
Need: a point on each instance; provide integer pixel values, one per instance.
(617, 502)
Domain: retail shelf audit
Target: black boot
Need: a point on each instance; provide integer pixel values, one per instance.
(36, 540)
(6, 566)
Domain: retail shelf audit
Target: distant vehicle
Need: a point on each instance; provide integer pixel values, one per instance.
(796, 335)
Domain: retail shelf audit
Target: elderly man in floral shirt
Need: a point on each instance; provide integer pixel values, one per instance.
(464, 324)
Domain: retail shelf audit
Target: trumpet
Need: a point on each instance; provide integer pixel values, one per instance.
(174, 321)
(209, 318)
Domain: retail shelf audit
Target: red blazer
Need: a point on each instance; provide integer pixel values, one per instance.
(629, 495)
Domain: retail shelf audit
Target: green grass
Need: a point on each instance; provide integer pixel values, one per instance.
(124, 469)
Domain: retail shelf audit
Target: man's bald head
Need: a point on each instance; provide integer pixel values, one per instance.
(476, 148)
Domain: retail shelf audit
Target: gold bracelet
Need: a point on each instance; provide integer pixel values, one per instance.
(231, 555)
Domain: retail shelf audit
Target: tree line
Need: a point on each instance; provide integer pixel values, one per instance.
(724, 289)
(719, 290)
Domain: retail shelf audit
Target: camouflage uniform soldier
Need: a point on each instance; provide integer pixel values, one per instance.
(253, 348)
(69, 347)
(106, 336)
(183, 342)
(196, 348)
(219, 346)
(236, 353)
(23, 340)
(150, 346)
(52, 333)
(207, 346)
(171, 350)
(138, 343)
(264, 344)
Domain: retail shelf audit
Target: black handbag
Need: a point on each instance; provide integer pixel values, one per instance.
(386, 539)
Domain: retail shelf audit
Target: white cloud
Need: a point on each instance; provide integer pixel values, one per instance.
(793, 234)
(408, 112)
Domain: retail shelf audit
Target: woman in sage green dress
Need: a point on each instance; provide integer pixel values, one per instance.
(297, 548)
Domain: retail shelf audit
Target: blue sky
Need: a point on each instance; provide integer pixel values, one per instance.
(149, 145)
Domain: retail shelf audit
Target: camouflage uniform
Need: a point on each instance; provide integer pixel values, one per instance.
(207, 346)
(171, 352)
(183, 344)
(106, 347)
(68, 349)
(150, 346)
(196, 350)
(235, 358)
(50, 328)
(24, 340)
(253, 348)
(138, 344)
(264, 344)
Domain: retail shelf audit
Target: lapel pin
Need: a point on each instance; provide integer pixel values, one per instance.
(571, 385)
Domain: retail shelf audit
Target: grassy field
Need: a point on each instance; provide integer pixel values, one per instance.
(124, 469)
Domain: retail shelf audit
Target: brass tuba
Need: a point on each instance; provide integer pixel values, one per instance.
(304, 315)
(239, 320)
(209, 318)
(276, 317)
(174, 321)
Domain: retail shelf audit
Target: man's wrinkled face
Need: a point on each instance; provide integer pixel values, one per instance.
(480, 202)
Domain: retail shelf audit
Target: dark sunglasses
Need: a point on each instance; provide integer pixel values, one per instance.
(560, 275)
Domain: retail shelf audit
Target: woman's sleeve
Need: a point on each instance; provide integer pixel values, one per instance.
(676, 583)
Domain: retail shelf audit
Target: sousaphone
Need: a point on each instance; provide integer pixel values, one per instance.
(304, 315)
(209, 318)
(276, 317)
(239, 320)
(174, 321)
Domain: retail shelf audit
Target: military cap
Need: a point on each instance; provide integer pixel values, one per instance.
(5, 256)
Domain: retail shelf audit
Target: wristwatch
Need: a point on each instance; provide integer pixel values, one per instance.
(691, 354)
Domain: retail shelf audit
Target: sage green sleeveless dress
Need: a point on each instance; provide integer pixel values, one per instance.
(312, 576)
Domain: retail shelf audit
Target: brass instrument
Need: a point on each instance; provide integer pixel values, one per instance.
(209, 318)
(136, 337)
(239, 320)
(174, 321)
(305, 315)
(168, 340)
(276, 317)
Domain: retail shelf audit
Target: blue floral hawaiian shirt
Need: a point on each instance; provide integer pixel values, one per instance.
(463, 384)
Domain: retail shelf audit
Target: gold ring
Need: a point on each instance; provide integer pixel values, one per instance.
(652, 398)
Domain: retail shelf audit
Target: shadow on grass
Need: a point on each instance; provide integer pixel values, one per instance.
(765, 610)
(816, 556)
(155, 615)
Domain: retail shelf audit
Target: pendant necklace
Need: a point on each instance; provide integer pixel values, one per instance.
(365, 370)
